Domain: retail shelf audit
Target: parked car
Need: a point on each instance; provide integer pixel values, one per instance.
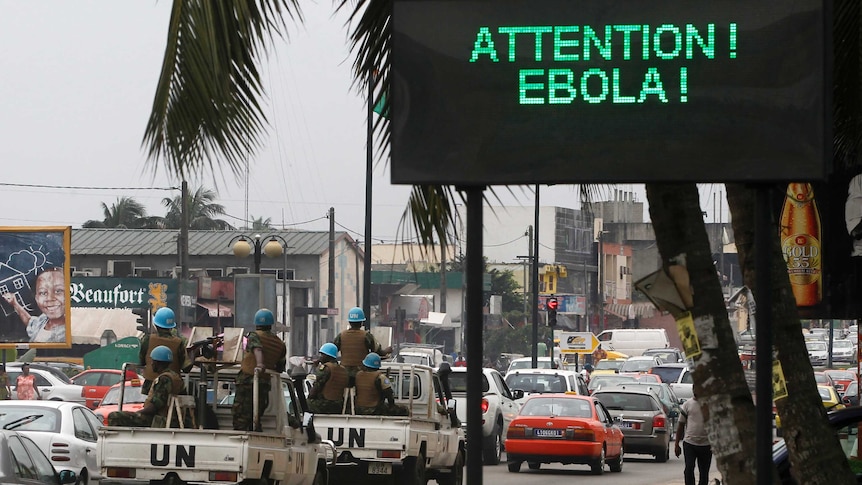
(668, 355)
(643, 420)
(133, 400)
(846, 424)
(818, 352)
(23, 462)
(567, 429)
(843, 350)
(640, 363)
(53, 384)
(66, 431)
(96, 383)
(545, 381)
(823, 379)
(840, 378)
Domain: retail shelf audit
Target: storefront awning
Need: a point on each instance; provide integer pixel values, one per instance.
(439, 320)
(628, 311)
(217, 309)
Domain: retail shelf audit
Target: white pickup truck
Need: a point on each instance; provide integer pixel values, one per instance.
(498, 409)
(427, 444)
(287, 451)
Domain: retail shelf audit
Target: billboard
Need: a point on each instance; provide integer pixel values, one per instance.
(820, 229)
(522, 92)
(34, 276)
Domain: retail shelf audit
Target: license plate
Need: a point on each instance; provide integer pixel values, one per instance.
(548, 433)
(375, 468)
(630, 425)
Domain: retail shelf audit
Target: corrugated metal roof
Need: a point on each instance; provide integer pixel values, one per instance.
(158, 242)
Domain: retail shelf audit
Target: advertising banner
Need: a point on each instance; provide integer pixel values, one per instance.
(570, 304)
(152, 293)
(34, 271)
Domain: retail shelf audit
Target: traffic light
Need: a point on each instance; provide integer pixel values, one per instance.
(552, 305)
(143, 318)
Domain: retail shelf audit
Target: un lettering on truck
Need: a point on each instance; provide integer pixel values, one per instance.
(634, 341)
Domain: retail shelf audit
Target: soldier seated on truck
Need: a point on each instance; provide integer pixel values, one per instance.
(374, 391)
(155, 411)
(330, 380)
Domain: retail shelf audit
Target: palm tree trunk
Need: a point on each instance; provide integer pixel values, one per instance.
(719, 381)
(815, 453)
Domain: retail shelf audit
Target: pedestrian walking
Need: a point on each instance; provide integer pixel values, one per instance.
(25, 385)
(692, 430)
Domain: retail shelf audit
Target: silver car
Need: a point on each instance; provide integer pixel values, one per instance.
(645, 425)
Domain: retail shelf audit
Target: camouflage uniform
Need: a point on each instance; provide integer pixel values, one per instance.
(353, 353)
(330, 379)
(167, 384)
(170, 339)
(274, 357)
(373, 393)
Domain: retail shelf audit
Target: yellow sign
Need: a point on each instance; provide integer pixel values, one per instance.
(779, 386)
(688, 335)
(578, 342)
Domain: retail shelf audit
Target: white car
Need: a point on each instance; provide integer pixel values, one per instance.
(53, 384)
(818, 352)
(640, 363)
(527, 363)
(65, 431)
(542, 381)
(843, 351)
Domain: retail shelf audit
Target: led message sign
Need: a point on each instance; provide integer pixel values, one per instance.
(520, 92)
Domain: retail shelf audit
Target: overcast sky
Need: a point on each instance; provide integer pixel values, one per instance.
(77, 86)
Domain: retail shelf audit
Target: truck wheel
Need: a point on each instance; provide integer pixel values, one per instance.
(492, 448)
(456, 475)
(414, 471)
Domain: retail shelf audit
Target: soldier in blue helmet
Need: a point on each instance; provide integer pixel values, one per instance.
(155, 411)
(330, 379)
(374, 391)
(165, 334)
(355, 342)
(263, 351)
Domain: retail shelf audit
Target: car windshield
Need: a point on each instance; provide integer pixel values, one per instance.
(663, 355)
(816, 346)
(842, 344)
(458, 382)
(413, 359)
(825, 395)
(528, 364)
(605, 381)
(667, 374)
(536, 383)
(840, 374)
(132, 394)
(626, 401)
(546, 406)
(638, 365)
(30, 418)
(606, 364)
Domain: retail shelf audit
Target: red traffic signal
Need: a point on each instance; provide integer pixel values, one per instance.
(553, 304)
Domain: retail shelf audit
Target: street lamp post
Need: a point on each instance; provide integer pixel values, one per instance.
(273, 246)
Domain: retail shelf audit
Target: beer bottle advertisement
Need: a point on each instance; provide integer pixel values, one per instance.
(801, 238)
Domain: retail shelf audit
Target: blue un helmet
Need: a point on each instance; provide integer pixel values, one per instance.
(356, 315)
(164, 318)
(329, 349)
(264, 317)
(372, 361)
(162, 354)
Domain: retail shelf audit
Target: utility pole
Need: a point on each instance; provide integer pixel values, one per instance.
(443, 249)
(534, 283)
(330, 291)
(184, 243)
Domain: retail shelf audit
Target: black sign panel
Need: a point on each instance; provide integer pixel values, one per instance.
(554, 91)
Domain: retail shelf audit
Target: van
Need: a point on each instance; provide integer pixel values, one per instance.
(634, 341)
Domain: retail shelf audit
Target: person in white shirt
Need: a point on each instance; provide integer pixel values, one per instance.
(692, 430)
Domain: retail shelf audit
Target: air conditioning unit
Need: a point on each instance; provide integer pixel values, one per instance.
(121, 269)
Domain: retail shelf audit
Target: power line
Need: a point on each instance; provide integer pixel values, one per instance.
(74, 187)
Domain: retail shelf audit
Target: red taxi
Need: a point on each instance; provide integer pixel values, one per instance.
(96, 382)
(133, 400)
(841, 379)
(567, 429)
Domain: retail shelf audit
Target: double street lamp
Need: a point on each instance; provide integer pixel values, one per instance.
(273, 246)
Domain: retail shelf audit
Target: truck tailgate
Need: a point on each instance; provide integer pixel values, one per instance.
(363, 436)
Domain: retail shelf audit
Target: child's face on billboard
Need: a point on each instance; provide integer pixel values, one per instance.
(51, 294)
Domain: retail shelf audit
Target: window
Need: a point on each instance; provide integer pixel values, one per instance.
(83, 430)
(279, 273)
(214, 272)
(24, 466)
